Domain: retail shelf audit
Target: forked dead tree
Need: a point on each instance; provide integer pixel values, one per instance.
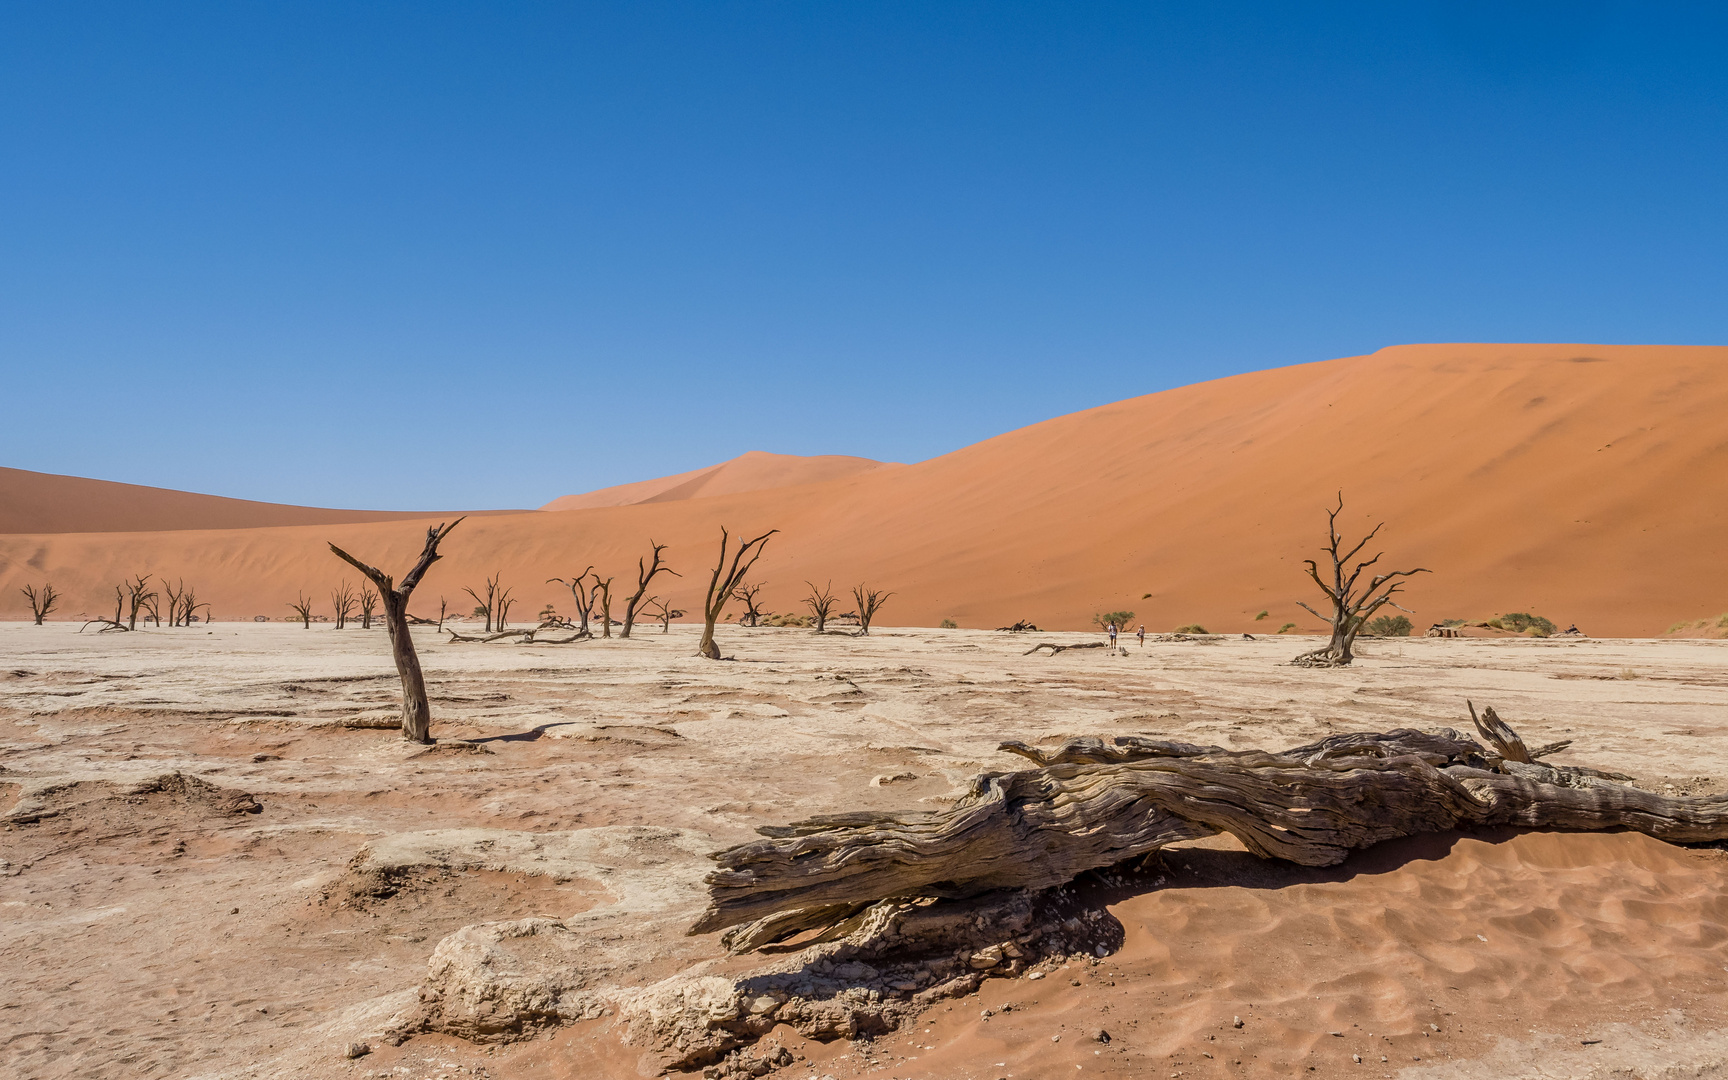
(821, 603)
(601, 598)
(303, 608)
(721, 583)
(645, 572)
(661, 611)
(745, 594)
(868, 601)
(505, 600)
(368, 606)
(342, 599)
(41, 603)
(580, 594)
(1352, 603)
(416, 710)
(173, 593)
(486, 606)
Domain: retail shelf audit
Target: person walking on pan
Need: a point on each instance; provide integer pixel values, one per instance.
(1141, 634)
(1110, 628)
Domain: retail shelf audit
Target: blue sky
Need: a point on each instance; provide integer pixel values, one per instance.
(437, 255)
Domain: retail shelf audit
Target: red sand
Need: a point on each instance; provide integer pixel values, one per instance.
(1587, 483)
(753, 471)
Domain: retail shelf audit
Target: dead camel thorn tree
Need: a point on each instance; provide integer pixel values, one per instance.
(41, 603)
(723, 581)
(342, 599)
(868, 601)
(665, 614)
(303, 609)
(644, 574)
(601, 597)
(1353, 604)
(487, 606)
(745, 594)
(821, 603)
(579, 593)
(368, 606)
(416, 710)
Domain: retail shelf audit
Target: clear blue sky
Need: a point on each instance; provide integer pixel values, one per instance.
(433, 255)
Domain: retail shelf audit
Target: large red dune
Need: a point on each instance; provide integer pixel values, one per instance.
(1587, 483)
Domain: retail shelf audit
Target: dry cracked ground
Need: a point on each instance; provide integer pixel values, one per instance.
(220, 860)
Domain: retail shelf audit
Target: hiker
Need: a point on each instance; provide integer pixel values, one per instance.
(1141, 634)
(1110, 629)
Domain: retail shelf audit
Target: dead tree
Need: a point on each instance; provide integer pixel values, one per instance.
(745, 594)
(579, 593)
(868, 601)
(665, 615)
(821, 603)
(138, 595)
(41, 603)
(484, 606)
(503, 605)
(721, 583)
(342, 598)
(416, 710)
(303, 608)
(368, 606)
(1352, 604)
(601, 597)
(1089, 805)
(645, 572)
(173, 593)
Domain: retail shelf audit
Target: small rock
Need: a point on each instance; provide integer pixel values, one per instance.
(233, 911)
(1036, 975)
(987, 1013)
(1101, 1036)
(1055, 1038)
(891, 778)
(1236, 1023)
(356, 1050)
(1076, 982)
(1357, 1058)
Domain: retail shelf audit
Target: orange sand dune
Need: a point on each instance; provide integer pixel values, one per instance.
(1587, 483)
(33, 502)
(752, 471)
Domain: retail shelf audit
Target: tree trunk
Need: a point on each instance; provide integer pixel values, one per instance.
(1090, 805)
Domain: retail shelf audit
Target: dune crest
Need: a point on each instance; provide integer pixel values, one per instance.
(755, 470)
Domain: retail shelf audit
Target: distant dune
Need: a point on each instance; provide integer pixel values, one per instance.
(752, 471)
(33, 502)
(1587, 483)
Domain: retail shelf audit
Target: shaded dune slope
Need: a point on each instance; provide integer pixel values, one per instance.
(1586, 483)
(752, 471)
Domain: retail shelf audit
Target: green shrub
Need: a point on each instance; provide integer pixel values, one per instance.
(1389, 626)
(1495, 623)
(1520, 621)
(788, 620)
(1191, 628)
(1452, 622)
(948, 624)
(1286, 628)
(1120, 618)
(1262, 615)
(1723, 622)
(1677, 627)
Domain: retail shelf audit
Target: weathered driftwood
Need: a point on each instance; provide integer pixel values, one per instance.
(525, 636)
(1055, 648)
(1090, 804)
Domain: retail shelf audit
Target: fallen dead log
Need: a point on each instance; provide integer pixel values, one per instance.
(1090, 805)
(526, 636)
(1055, 648)
(1020, 627)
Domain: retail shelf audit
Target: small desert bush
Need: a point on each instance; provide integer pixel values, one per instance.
(948, 624)
(1145, 596)
(1286, 628)
(1120, 618)
(1191, 628)
(1452, 622)
(1262, 615)
(1677, 627)
(1389, 626)
(788, 620)
(1520, 621)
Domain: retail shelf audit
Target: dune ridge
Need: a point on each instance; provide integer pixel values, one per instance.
(755, 470)
(1587, 483)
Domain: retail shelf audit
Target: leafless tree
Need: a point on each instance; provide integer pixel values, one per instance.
(174, 592)
(579, 591)
(41, 603)
(645, 572)
(821, 603)
(442, 608)
(724, 579)
(868, 601)
(602, 599)
(138, 596)
(368, 605)
(342, 599)
(487, 605)
(416, 710)
(1352, 604)
(303, 608)
(745, 594)
(665, 614)
(503, 604)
